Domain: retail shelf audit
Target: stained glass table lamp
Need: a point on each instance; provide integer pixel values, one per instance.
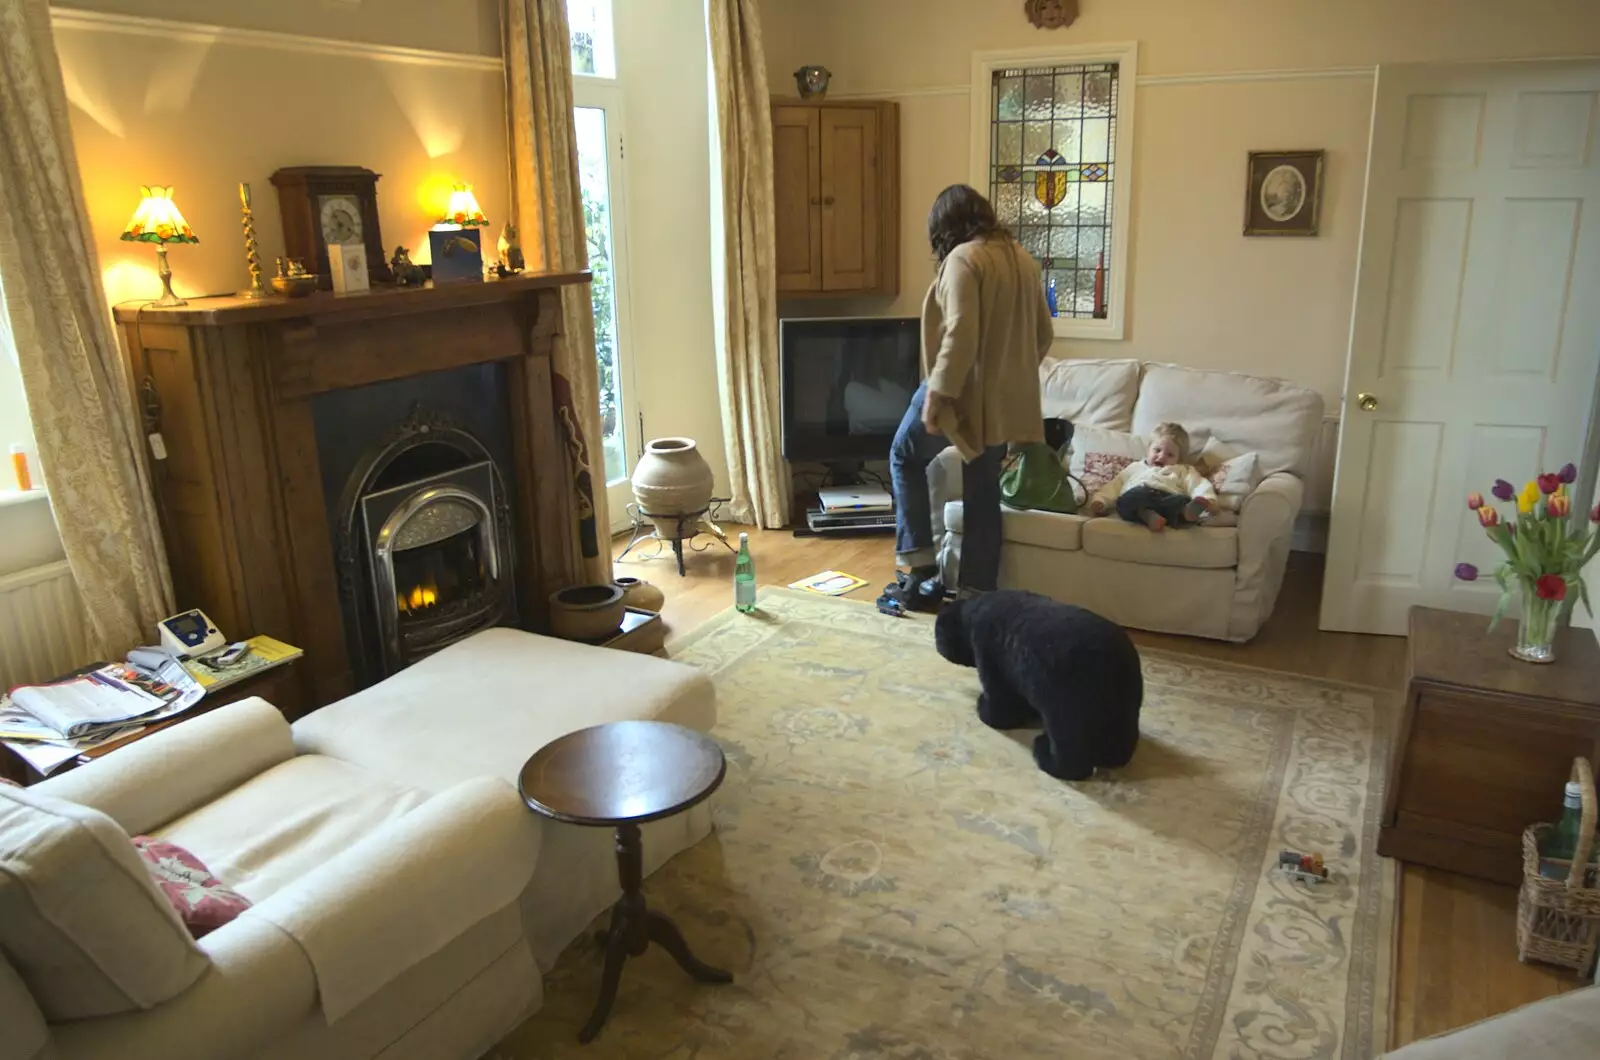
(158, 221)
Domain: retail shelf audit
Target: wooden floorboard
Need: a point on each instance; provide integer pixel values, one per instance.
(1456, 960)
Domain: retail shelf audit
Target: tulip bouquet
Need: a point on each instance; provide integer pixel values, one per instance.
(1544, 556)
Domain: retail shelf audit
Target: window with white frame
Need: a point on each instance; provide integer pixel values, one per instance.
(1053, 147)
(593, 53)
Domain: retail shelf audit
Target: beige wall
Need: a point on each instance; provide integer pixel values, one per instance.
(204, 114)
(662, 60)
(1200, 293)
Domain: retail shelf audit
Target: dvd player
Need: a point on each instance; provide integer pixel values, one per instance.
(822, 522)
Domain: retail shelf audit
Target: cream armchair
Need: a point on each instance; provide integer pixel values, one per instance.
(385, 920)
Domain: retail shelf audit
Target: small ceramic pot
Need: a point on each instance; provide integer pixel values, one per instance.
(636, 592)
(671, 481)
(586, 612)
(812, 81)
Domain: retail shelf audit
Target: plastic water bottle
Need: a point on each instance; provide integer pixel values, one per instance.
(744, 577)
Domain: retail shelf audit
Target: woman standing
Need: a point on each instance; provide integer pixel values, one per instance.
(985, 328)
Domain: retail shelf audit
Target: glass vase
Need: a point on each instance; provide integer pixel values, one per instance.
(1536, 630)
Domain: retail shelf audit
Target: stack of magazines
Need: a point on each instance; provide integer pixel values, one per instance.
(49, 725)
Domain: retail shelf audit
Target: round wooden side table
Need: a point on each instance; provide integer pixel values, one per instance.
(622, 775)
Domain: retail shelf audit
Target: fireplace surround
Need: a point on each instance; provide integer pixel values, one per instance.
(424, 546)
(253, 486)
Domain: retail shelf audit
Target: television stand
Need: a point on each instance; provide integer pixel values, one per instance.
(845, 523)
(846, 473)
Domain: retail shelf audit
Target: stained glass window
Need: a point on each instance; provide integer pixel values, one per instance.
(1052, 168)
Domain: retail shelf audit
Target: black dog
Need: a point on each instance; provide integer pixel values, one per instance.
(1045, 662)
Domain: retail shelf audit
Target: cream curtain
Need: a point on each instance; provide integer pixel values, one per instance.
(548, 208)
(78, 400)
(747, 353)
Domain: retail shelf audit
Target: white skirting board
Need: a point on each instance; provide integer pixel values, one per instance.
(42, 625)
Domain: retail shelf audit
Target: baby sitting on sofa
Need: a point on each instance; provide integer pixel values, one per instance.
(1160, 490)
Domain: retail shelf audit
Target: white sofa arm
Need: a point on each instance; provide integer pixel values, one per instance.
(258, 988)
(1266, 529)
(406, 891)
(165, 775)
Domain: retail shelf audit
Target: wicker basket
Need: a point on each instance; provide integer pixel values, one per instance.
(1558, 920)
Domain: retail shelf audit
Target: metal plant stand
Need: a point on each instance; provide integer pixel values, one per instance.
(645, 530)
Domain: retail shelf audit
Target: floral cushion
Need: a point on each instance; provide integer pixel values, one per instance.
(200, 899)
(1100, 468)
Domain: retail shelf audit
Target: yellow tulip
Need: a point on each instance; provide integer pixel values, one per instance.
(1528, 498)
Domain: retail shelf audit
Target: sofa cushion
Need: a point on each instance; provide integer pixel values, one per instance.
(1090, 393)
(484, 705)
(1044, 529)
(1233, 474)
(279, 825)
(80, 919)
(201, 900)
(1564, 1026)
(1201, 546)
(1098, 454)
(1277, 420)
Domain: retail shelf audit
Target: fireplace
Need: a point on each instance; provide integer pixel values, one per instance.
(294, 433)
(424, 545)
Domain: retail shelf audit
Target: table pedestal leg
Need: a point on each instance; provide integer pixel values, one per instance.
(633, 927)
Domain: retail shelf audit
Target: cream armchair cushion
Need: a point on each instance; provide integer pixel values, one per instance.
(80, 919)
(1276, 420)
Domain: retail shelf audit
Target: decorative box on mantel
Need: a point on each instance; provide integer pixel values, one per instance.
(369, 477)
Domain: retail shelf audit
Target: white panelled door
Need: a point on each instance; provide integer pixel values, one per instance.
(1476, 327)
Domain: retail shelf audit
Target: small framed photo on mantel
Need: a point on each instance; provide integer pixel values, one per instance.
(1283, 193)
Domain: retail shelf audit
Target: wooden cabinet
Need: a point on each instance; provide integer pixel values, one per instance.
(836, 169)
(1486, 743)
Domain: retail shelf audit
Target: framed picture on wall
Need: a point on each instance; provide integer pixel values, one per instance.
(1283, 193)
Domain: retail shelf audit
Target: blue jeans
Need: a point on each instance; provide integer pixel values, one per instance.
(913, 450)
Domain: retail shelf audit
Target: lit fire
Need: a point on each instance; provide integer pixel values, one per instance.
(420, 598)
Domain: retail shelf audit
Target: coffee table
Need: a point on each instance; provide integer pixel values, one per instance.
(622, 775)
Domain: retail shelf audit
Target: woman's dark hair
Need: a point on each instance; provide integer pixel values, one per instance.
(958, 215)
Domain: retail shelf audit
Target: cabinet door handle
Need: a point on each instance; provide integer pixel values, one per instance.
(828, 201)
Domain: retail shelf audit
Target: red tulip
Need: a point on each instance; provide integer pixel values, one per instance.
(1489, 517)
(1594, 514)
(1548, 484)
(1551, 587)
(1474, 501)
(1559, 506)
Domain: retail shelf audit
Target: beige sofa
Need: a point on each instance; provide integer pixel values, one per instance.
(1218, 581)
(404, 899)
(1560, 1028)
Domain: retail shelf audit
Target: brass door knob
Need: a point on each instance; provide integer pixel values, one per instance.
(1368, 402)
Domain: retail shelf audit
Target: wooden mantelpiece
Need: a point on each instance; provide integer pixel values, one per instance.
(229, 384)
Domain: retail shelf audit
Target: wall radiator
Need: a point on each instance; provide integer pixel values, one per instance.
(1319, 477)
(43, 631)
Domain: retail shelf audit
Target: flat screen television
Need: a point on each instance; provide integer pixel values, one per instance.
(846, 384)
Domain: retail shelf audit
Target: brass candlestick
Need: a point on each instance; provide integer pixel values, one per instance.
(256, 289)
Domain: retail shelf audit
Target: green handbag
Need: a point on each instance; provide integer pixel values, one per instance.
(1036, 479)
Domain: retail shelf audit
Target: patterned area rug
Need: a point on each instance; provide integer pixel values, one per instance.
(889, 878)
